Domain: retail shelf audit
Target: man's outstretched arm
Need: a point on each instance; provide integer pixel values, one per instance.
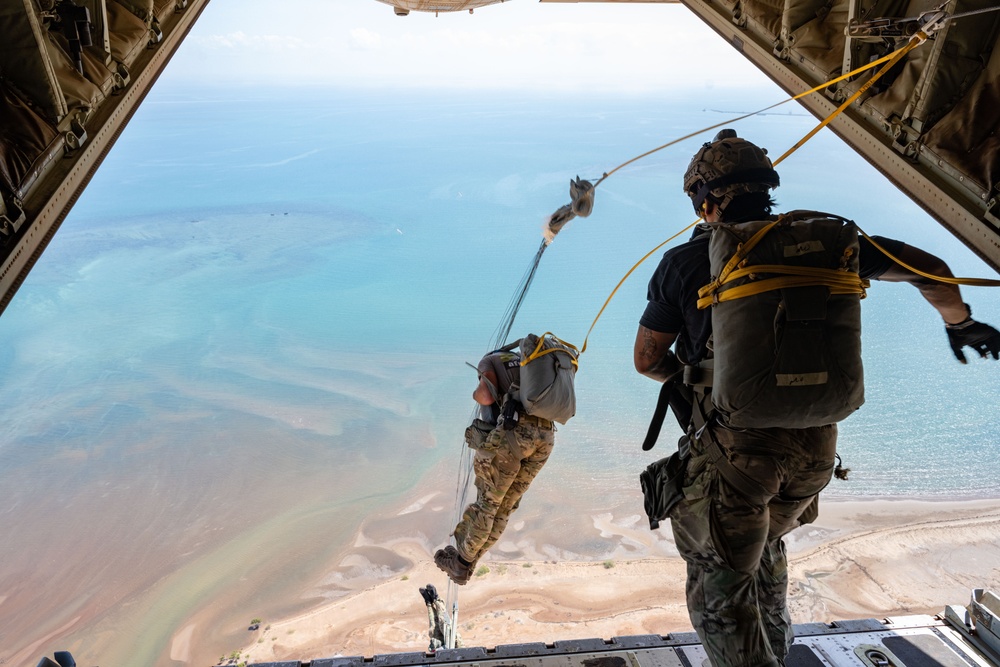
(651, 354)
(962, 330)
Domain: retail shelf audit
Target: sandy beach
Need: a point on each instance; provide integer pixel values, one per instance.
(874, 558)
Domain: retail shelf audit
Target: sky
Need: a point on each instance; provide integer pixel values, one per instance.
(520, 44)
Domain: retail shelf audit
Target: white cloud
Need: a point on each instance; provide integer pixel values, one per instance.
(241, 41)
(365, 39)
(517, 45)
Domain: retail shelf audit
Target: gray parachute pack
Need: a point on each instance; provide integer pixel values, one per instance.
(788, 353)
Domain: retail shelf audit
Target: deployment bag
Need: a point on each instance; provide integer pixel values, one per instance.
(548, 371)
(786, 321)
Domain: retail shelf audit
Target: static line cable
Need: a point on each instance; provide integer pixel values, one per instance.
(972, 282)
(582, 191)
(972, 12)
(453, 634)
(929, 21)
(507, 321)
(854, 72)
(625, 277)
(889, 60)
(896, 56)
(581, 204)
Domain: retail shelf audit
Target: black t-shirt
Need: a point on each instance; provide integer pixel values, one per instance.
(673, 290)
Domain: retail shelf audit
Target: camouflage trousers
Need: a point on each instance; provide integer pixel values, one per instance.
(737, 572)
(440, 626)
(504, 468)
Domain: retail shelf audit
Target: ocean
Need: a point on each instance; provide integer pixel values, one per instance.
(251, 334)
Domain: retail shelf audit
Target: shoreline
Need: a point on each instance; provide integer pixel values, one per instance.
(862, 558)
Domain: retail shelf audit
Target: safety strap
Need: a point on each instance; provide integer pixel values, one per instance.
(710, 290)
(741, 253)
(660, 413)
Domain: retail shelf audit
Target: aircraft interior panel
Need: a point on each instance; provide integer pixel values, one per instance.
(72, 73)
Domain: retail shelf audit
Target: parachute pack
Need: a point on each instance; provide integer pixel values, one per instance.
(548, 374)
(786, 321)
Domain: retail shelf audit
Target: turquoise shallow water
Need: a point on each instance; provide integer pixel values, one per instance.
(254, 324)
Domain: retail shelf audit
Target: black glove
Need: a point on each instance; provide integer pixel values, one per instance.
(429, 594)
(981, 337)
(511, 414)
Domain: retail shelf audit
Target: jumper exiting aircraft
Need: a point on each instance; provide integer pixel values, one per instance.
(73, 73)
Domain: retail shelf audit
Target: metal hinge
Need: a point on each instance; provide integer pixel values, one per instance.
(11, 218)
(881, 28)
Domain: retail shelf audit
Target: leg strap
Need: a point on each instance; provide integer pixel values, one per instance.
(748, 487)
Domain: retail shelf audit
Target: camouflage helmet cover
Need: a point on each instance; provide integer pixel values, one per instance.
(727, 168)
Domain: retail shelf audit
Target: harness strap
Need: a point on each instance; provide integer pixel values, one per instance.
(736, 478)
(741, 253)
(662, 403)
(675, 395)
(700, 375)
(722, 289)
(698, 379)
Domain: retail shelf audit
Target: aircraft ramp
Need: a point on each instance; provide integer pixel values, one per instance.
(959, 637)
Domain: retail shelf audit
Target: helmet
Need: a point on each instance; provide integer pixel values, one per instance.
(727, 168)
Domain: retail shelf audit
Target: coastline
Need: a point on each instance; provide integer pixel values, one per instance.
(862, 558)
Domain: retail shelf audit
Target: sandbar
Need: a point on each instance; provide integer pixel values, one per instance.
(861, 559)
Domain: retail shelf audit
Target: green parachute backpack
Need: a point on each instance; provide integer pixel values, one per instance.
(786, 320)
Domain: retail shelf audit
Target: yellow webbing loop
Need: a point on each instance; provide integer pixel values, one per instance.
(839, 282)
(972, 282)
(539, 352)
(741, 252)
